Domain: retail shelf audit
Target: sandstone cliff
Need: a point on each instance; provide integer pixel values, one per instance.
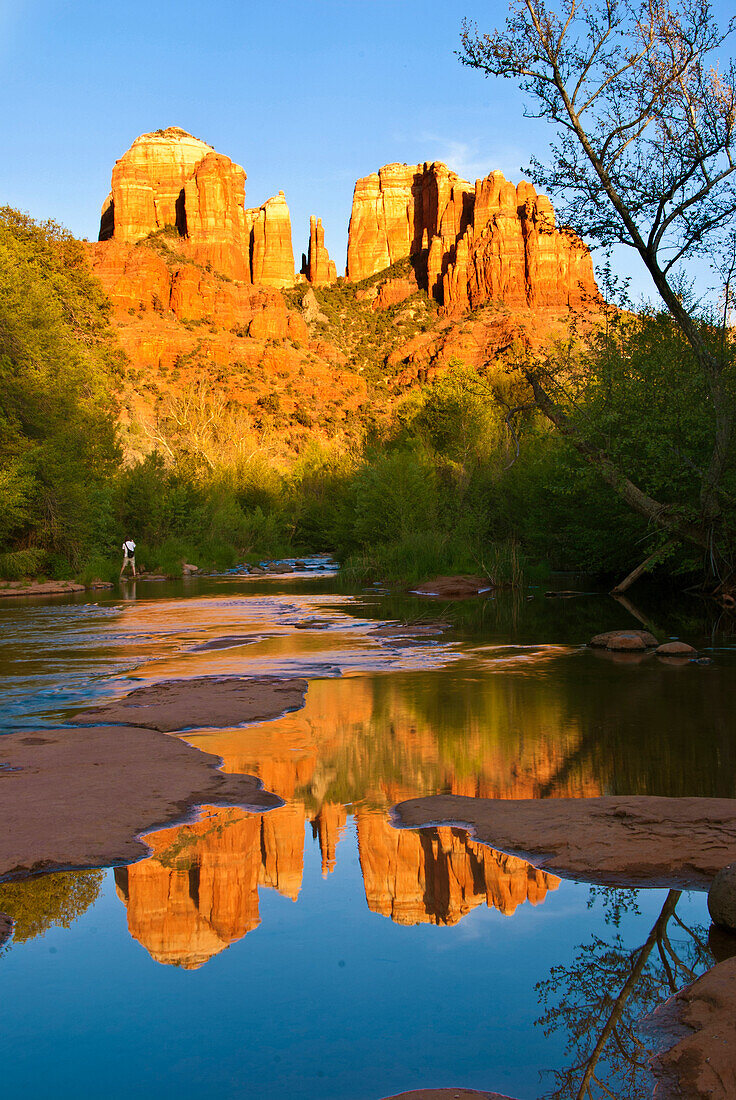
(170, 181)
(399, 210)
(470, 244)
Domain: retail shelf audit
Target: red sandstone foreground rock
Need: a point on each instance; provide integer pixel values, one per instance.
(201, 702)
(448, 1094)
(471, 244)
(169, 180)
(81, 797)
(627, 841)
(702, 1061)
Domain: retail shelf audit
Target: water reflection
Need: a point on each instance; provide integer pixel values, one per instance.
(198, 892)
(598, 1001)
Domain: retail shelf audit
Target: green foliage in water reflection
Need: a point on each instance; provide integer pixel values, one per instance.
(40, 903)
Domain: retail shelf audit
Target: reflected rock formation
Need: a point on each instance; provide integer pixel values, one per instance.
(371, 743)
(198, 892)
(436, 876)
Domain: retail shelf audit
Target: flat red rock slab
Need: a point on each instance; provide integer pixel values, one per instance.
(702, 1021)
(81, 797)
(448, 1094)
(629, 841)
(201, 702)
(40, 588)
(624, 640)
(408, 630)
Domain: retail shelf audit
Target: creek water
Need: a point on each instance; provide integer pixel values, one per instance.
(316, 951)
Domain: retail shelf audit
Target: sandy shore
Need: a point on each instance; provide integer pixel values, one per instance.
(629, 841)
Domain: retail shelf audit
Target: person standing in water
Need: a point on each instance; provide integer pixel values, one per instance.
(128, 556)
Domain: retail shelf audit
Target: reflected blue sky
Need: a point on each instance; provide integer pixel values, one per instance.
(323, 1000)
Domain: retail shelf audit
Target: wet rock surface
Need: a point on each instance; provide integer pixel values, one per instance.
(202, 702)
(80, 797)
(702, 1021)
(627, 841)
(722, 898)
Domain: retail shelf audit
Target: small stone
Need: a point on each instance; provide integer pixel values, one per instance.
(722, 898)
(676, 649)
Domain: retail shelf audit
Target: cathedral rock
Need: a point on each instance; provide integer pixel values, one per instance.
(169, 180)
(470, 243)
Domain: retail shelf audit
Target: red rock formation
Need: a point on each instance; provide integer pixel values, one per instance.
(471, 245)
(171, 180)
(397, 212)
(316, 264)
(272, 255)
(147, 184)
(214, 200)
(436, 876)
(513, 253)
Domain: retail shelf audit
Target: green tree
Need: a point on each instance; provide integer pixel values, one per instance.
(645, 156)
(58, 367)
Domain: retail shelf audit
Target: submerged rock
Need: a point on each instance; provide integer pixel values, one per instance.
(722, 898)
(454, 588)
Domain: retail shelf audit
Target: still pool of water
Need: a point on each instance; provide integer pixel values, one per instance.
(316, 951)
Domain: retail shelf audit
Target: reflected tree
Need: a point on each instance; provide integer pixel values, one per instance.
(601, 998)
(59, 899)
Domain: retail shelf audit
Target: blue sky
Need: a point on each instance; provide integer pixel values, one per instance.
(307, 95)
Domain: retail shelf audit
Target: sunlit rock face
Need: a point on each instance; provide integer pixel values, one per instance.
(272, 255)
(400, 210)
(147, 185)
(169, 180)
(470, 244)
(436, 876)
(316, 263)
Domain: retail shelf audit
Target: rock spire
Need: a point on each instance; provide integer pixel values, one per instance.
(316, 263)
